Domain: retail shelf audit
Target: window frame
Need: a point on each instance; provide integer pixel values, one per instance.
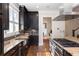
(12, 13)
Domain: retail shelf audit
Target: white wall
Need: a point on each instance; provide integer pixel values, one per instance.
(41, 15)
(58, 29)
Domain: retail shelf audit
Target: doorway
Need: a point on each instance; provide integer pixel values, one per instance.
(47, 30)
(47, 27)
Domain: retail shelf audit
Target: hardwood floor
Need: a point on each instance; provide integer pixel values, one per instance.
(44, 50)
(32, 51)
(39, 51)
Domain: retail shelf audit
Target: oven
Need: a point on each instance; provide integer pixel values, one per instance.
(55, 49)
(58, 51)
(51, 47)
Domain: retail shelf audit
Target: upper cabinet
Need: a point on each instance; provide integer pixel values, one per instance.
(28, 19)
(22, 17)
(33, 20)
(4, 15)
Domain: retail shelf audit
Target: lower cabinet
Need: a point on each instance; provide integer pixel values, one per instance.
(25, 50)
(20, 49)
(15, 51)
(33, 40)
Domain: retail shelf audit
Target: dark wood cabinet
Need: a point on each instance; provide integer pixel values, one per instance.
(33, 20)
(22, 16)
(1, 40)
(4, 23)
(15, 51)
(25, 49)
(4, 14)
(33, 40)
(28, 19)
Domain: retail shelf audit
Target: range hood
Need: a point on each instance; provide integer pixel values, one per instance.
(65, 17)
(66, 13)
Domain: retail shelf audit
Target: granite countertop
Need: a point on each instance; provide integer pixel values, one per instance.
(9, 44)
(74, 51)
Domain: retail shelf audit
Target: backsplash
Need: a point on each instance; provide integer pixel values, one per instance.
(10, 34)
(71, 25)
(77, 33)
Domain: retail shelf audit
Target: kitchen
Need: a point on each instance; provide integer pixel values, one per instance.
(21, 27)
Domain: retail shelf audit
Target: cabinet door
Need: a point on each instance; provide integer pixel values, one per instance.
(1, 40)
(5, 15)
(0, 8)
(1, 32)
(21, 18)
(0, 14)
(13, 52)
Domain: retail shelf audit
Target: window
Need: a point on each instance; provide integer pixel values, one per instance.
(13, 20)
(10, 28)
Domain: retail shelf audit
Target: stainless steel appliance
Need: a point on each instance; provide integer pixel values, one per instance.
(57, 50)
(66, 43)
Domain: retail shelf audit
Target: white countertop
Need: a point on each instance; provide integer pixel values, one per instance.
(73, 50)
(13, 42)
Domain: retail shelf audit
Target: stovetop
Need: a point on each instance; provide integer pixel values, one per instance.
(66, 43)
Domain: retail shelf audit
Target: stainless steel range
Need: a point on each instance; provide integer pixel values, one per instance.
(67, 43)
(58, 50)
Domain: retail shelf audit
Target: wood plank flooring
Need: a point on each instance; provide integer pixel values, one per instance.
(39, 51)
(32, 51)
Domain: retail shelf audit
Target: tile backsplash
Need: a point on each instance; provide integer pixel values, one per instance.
(10, 34)
(71, 25)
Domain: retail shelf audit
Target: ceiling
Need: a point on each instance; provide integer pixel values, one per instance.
(49, 6)
(42, 6)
